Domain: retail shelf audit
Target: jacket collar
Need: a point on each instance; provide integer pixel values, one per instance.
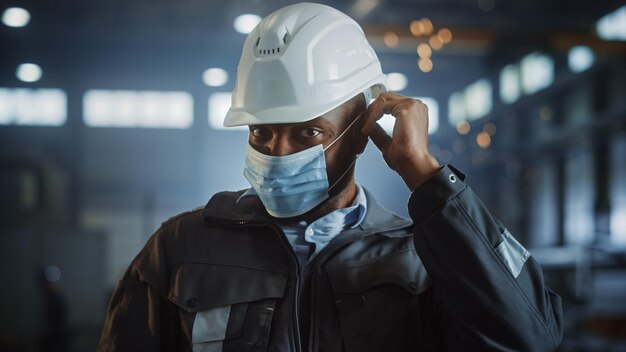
(227, 207)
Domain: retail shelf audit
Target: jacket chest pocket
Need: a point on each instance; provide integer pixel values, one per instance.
(377, 302)
(226, 307)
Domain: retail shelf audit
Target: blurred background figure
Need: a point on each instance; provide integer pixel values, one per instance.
(55, 333)
(111, 120)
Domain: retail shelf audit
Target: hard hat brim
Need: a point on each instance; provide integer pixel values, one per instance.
(294, 114)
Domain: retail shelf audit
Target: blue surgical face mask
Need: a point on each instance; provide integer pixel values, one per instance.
(293, 184)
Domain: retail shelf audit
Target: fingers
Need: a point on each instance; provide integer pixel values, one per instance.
(380, 137)
(375, 111)
(385, 103)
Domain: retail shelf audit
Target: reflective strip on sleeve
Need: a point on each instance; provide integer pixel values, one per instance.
(209, 329)
(512, 253)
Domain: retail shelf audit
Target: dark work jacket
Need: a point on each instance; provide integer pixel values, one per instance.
(225, 278)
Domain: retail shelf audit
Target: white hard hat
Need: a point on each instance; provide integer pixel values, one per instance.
(299, 63)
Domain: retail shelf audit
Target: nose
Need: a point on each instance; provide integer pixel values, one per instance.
(280, 145)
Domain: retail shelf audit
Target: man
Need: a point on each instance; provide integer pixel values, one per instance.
(306, 260)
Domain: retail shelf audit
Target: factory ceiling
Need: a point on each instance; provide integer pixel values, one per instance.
(178, 35)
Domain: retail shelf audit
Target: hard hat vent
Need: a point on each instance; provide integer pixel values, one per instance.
(274, 47)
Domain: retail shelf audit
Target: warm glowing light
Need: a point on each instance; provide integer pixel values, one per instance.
(463, 127)
(28, 72)
(416, 28)
(421, 27)
(246, 23)
(427, 26)
(362, 8)
(391, 39)
(215, 77)
(445, 35)
(425, 64)
(424, 50)
(483, 139)
(435, 42)
(489, 128)
(545, 113)
(15, 17)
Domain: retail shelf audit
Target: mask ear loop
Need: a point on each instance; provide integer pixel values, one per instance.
(368, 96)
(344, 173)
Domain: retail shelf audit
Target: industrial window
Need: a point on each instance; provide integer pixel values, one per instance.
(219, 103)
(617, 190)
(474, 102)
(510, 89)
(138, 109)
(478, 101)
(543, 209)
(456, 108)
(613, 25)
(537, 72)
(33, 107)
(579, 196)
(387, 121)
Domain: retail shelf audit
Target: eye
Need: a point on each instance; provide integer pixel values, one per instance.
(310, 132)
(259, 132)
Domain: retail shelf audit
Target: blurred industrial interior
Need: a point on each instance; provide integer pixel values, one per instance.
(110, 122)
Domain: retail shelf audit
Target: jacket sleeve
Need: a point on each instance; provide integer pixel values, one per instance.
(490, 293)
(139, 317)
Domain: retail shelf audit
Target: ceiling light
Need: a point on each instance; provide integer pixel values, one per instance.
(483, 139)
(435, 42)
(246, 23)
(425, 64)
(613, 25)
(445, 35)
(424, 50)
(580, 58)
(15, 17)
(416, 28)
(427, 26)
(463, 127)
(536, 72)
(215, 77)
(362, 8)
(28, 72)
(391, 39)
(397, 81)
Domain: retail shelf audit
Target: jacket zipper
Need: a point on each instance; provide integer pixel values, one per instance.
(330, 249)
(296, 309)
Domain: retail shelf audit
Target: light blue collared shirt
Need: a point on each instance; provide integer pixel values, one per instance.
(308, 240)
